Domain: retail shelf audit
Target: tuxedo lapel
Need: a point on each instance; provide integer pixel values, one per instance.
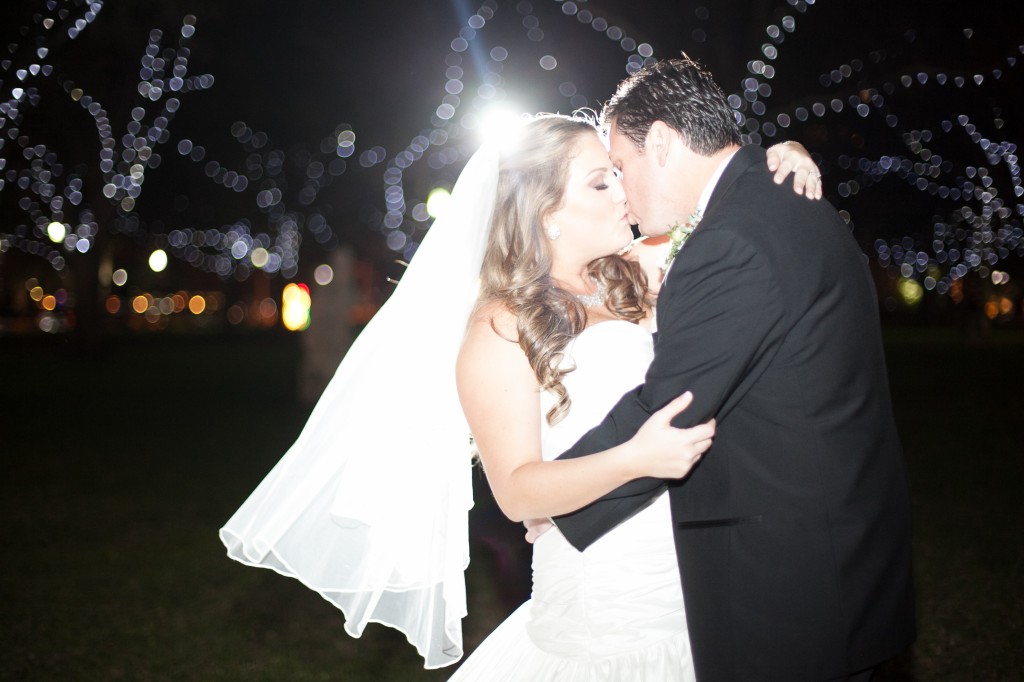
(741, 161)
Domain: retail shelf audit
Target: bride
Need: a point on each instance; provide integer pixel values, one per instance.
(369, 506)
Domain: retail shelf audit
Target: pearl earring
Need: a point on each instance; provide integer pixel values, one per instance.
(553, 231)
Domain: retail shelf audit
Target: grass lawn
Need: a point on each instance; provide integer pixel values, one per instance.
(116, 472)
(961, 417)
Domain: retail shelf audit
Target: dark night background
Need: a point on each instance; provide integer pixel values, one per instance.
(299, 73)
(127, 438)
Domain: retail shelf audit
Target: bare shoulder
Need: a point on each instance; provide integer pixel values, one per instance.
(496, 318)
(491, 349)
(491, 338)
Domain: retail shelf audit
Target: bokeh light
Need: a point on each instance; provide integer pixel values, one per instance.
(259, 257)
(295, 305)
(268, 311)
(437, 201)
(56, 231)
(197, 305)
(959, 161)
(158, 260)
(236, 314)
(323, 274)
(910, 291)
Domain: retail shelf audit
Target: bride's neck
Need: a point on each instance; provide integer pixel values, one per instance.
(573, 280)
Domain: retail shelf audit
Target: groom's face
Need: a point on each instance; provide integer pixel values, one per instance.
(640, 180)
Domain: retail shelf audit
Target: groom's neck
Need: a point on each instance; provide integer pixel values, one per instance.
(697, 171)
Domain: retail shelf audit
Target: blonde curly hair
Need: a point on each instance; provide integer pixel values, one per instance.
(516, 270)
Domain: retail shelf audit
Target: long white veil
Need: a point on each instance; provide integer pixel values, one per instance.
(369, 507)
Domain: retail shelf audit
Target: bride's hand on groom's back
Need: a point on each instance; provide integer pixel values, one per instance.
(792, 158)
(664, 451)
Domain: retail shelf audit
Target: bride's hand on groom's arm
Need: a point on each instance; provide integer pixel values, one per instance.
(793, 158)
(524, 485)
(658, 450)
(664, 451)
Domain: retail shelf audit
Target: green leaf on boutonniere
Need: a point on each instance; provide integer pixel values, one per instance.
(678, 234)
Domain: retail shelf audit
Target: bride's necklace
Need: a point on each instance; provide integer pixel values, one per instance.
(595, 299)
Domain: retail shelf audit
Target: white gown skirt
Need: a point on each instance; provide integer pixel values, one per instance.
(612, 613)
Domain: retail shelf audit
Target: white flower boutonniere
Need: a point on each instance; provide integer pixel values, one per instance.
(678, 234)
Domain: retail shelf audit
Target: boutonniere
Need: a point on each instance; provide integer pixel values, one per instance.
(678, 234)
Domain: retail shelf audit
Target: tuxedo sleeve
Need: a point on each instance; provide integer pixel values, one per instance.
(720, 314)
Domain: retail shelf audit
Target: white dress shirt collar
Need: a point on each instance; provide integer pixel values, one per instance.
(705, 196)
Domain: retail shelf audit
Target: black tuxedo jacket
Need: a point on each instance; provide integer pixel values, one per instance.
(793, 532)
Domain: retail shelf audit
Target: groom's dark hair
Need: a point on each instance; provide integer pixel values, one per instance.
(680, 93)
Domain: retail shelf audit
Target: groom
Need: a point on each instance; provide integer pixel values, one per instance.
(793, 532)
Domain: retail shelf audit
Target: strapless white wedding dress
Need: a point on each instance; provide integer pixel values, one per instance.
(615, 611)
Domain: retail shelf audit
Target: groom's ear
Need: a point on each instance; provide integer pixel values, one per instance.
(659, 139)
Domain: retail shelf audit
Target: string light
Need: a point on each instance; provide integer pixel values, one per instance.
(124, 157)
(237, 249)
(978, 227)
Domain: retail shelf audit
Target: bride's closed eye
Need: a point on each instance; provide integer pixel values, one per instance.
(603, 185)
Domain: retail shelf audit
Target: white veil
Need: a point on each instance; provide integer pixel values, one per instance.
(369, 507)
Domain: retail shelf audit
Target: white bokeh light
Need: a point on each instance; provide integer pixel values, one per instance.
(437, 201)
(56, 231)
(158, 260)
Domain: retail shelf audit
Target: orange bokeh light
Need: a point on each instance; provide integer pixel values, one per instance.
(197, 304)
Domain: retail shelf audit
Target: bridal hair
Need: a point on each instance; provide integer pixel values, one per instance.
(516, 270)
(680, 93)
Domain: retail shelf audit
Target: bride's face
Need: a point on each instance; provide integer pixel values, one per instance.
(593, 219)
